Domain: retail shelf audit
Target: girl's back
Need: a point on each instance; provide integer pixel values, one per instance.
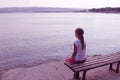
(81, 53)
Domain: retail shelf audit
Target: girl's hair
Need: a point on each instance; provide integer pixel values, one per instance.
(80, 33)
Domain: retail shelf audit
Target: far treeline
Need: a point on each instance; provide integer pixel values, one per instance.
(106, 10)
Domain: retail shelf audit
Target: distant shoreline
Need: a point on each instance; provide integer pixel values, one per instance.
(58, 10)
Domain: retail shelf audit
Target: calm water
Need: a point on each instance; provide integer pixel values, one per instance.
(28, 39)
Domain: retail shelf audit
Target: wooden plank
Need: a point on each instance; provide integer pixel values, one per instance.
(70, 67)
(98, 65)
(92, 67)
(96, 62)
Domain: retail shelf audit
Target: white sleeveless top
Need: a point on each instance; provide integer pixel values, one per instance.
(81, 54)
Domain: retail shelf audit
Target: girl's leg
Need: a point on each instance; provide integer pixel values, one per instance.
(71, 60)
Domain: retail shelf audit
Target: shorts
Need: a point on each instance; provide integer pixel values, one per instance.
(72, 60)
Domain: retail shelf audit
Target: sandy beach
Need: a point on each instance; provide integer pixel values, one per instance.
(56, 71)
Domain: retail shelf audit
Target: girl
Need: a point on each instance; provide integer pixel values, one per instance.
(79, 52)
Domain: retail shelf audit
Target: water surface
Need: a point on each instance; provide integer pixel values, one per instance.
(28, 39)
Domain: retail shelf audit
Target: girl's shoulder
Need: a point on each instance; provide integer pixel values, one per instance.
(77, 42)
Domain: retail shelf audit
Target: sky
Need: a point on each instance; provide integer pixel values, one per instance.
(60, 3)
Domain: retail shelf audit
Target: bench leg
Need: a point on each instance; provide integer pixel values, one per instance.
(117, 68)
(76, 76)
(84, 75)
(111, 66)
(118, 65)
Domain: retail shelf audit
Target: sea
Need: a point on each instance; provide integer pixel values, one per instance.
(30, 39)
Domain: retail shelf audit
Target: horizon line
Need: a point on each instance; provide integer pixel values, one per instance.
(52, 7)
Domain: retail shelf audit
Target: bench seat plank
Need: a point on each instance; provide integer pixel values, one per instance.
(96, 62)
(96, 65)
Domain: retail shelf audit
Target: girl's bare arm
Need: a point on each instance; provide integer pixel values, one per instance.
(74, 51)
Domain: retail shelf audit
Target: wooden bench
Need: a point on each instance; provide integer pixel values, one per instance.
(95, 62)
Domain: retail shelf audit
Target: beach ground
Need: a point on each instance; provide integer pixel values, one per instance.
(57, 71)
